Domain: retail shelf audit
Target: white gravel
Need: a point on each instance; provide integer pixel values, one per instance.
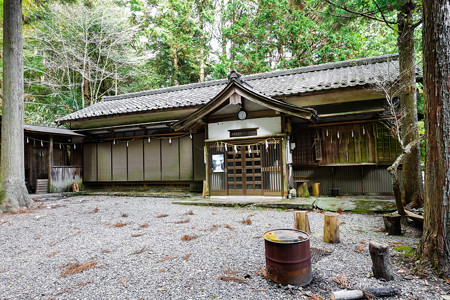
(35, 246)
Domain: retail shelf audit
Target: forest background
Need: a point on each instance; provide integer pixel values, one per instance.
(77, 51)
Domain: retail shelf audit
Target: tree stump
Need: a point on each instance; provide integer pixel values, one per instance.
(331, 228)
(316, 189)
(381, 262)
(302, 190)
(392, 224)
(301, 221)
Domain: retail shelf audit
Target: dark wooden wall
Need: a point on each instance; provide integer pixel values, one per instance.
(346, 144)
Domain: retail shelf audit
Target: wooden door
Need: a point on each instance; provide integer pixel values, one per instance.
(253, 171)
(244, 170)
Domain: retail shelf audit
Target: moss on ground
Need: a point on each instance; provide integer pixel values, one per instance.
(405, 251)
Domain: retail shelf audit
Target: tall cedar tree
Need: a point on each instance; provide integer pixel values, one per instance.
(412, 187)
(12, 174)
(435, 246)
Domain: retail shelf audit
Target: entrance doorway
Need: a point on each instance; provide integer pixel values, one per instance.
(244, 170)
(252, 168)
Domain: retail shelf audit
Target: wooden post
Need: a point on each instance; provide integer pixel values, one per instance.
(50, 163)
(205, 189)
(381, 262)
(301, 221)
(316, 189)
(393, 224)
(283, 166)
(207, 173)
(331, 228)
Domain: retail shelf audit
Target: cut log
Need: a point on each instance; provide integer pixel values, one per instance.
(359, 294)
(316, 189)
(301, 221)
(383, 292)
(415, 217)
(75, 187)
(381, 262)
(302, 189)
(347, 295)
(393, 224)
(331, 228)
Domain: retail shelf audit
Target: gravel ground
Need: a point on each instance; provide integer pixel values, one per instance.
(146, 258)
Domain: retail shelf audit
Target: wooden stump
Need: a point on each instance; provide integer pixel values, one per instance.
(331, 228)
(316, 189)
(75, 187)
(393, 224)
(381, 262)
(302, 190)
(301, 221)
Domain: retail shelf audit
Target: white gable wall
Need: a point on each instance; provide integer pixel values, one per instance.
(266, 126)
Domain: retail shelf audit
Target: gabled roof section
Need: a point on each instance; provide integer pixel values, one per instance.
(298, 81)
(238, 86)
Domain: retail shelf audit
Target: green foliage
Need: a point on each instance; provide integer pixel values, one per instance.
(75, 55)
(422, 144)
(170, 42)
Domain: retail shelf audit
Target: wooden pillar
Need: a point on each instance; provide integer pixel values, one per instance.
(50, 163)
(331, 228)
(31, 179)
(362, 181)
(284, 168)
(206, 183)
(332, 178)
(301, 221)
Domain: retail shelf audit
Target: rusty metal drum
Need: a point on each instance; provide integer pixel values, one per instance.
(288, 256)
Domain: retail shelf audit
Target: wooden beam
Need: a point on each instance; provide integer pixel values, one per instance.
(248, 138)
(50, 163)
(343, 123)
(350, 113)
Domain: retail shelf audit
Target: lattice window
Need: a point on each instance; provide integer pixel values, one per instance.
(244, 132)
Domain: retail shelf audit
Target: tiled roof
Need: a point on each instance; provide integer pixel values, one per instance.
(358, 72)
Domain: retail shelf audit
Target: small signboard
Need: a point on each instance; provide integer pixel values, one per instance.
(218, 163)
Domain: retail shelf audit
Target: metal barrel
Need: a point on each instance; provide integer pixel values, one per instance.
(288, 256)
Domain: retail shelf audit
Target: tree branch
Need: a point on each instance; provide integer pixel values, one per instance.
(363, 14)
(382, 15)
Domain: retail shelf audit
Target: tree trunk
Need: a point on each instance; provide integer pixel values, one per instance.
(396, 188)
(86, 101)
(13, 193)
(175, 66)
(412, 188)
(202, 57)
(435, 244)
